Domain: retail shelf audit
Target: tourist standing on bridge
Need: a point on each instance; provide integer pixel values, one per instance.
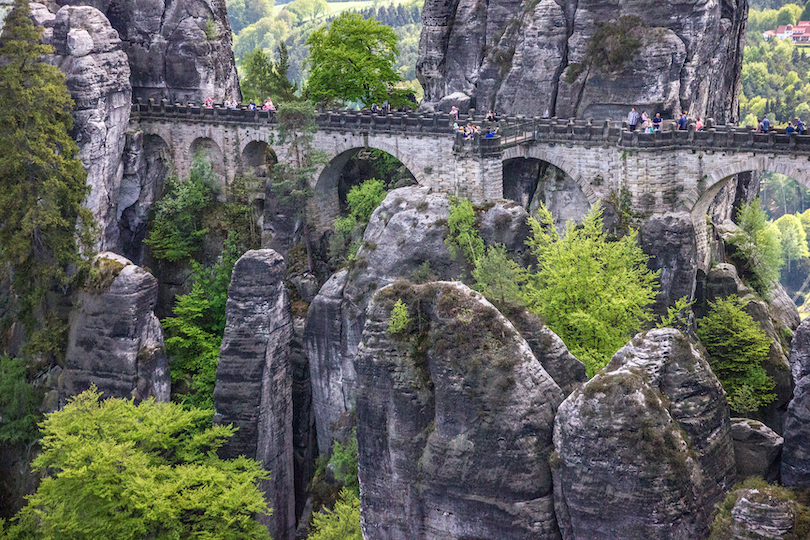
(632, 119)
(789, 129)
(252, 105)
(454, 112)
(656, 122)
(698, 124)
(268, 105)
(209, 103)
(760, 127)
(683, 122)
(375, 108)
(766, 124)
(799, 126)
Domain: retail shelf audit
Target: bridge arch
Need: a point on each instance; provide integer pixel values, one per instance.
(718, 177)
(257, 157)
(326, 187)
(213, 153)
(554, 156)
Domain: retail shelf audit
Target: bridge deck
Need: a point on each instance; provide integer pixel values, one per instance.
(512, 131)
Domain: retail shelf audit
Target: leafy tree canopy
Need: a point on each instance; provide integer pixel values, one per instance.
(794, 239)
(592, 292)
(353, 60)
(737, 348)
(129, 472)
(176, 231)
(760, 244)
(44, 229)
(263, 77)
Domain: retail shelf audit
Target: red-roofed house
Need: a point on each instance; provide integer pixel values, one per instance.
(797, 33)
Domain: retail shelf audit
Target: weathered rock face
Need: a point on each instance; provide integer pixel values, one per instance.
(758, 515)
(529, 57)
(177, 50)
(454, 421)
(757, 449)
(115, 340)
(773, 318)
(645, 448)
(406, 230)
(90, 54)
(531, 182)
(796, 450)
(146, 163)
(669, 240)
(254, 380)
(568, 372)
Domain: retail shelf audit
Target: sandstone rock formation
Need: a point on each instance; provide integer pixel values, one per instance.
(776, 318)
(644, 449)
(796, 450)
(760, 514)
(115, 341)
(90, 54)
(757, 449)
(177, 50)
(406, 230)
(669, 240)
(254, 380)
(454, 419)
(146, 163)
(529, 57)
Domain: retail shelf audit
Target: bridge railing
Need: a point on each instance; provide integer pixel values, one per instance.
(338, 119)
(507, 132)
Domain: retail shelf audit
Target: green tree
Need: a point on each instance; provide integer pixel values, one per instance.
(176, 231)
(787, 15)
(499, 278)
(362, 200)
(760, 244)
(737, 348)
(262, 77)
(18, 403)
(45, 232)
(125, 471)
(353, 60)
(463, 237)
(195, 329)
(592, 292)
(794, 239)
(341, 523)
(293, 180)
(805, 14)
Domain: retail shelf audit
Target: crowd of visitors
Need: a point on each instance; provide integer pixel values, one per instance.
(650, 125)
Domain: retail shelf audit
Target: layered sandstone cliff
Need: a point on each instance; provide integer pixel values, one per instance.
(530, 57)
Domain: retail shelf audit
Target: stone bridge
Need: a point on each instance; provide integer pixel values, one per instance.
(664, 171)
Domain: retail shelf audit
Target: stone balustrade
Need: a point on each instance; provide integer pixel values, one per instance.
(512, 131)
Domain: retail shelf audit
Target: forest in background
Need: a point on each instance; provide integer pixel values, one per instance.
(261, 24)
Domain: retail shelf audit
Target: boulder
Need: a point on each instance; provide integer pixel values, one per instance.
(180, 51)
(115, 341)
(254, 380)
(91, 55)
(454, 421)
(529, 57)
(761, 514)
(405, 231)
(796, 450)
(757, 449)
(644, 449)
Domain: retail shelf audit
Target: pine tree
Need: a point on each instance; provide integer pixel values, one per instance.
(45, 232)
